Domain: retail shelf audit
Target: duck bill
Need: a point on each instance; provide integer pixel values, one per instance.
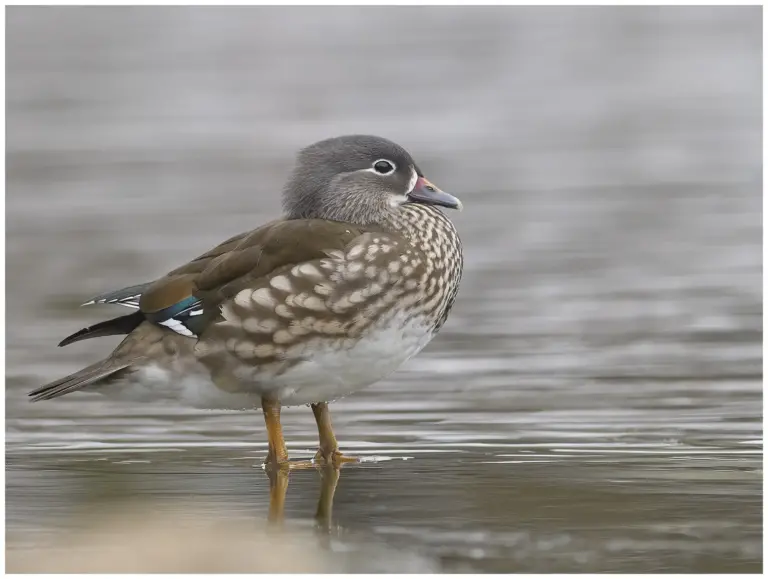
(428, 194)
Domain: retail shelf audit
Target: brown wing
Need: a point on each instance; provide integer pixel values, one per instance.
(224, 270)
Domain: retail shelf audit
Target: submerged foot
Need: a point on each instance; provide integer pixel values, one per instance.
(285, 465)
(332, 457)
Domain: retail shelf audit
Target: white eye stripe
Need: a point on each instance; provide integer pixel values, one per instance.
(412, 182)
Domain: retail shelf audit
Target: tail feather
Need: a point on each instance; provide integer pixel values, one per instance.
(128, 296)
(144, 343)
(113, 327)
(85, 377)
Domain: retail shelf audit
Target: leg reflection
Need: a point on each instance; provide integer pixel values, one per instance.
(324, 514)
(278, 489)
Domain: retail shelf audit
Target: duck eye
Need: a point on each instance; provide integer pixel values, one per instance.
(383, 167)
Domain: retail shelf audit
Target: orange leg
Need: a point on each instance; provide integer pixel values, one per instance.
(328, 453)
(277, 454)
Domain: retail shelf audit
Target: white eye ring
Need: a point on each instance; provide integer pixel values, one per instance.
(382, 170)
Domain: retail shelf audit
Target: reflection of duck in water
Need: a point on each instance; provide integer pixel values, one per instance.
(356, 278)
(278, 489)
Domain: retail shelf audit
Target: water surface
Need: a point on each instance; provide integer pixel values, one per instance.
(594, 401)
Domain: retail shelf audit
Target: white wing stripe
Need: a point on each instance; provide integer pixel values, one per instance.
(178, 327)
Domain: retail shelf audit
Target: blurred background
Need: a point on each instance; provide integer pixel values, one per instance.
(594, 401)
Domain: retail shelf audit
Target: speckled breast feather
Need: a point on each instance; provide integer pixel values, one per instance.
(399, 283)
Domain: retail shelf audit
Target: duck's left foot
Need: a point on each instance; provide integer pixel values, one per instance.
(332, 457)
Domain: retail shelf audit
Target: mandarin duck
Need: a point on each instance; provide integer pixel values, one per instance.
(354, 279)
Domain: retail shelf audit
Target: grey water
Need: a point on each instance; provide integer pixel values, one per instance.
(594, 402)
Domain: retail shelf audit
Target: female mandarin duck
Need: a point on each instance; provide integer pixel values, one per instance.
(357, 277)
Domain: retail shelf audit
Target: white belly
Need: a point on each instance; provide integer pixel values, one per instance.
(327, 375)
(331, 374)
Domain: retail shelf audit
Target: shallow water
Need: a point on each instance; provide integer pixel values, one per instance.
(593, 403)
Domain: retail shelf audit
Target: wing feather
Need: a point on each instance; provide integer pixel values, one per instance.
(238, 262)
